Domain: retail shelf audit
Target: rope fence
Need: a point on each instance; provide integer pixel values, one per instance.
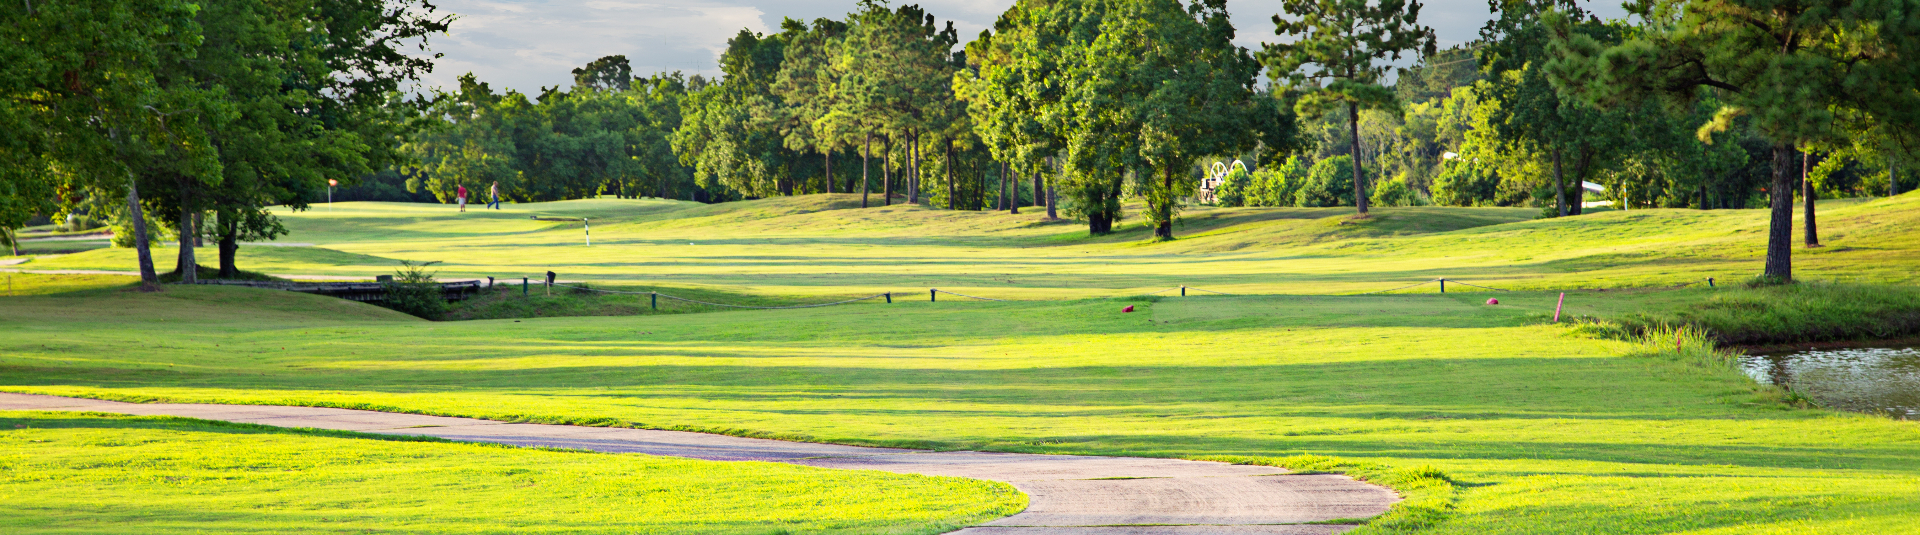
(1443, 287)
(936, 291)
(933, 294)
(657, 295)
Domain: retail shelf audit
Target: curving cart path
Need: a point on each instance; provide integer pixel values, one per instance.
(1068, 494)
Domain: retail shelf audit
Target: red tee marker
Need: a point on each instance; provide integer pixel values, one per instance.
(1128, 309)
(1493, 301)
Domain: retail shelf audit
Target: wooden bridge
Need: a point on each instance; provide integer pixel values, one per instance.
(365, 292)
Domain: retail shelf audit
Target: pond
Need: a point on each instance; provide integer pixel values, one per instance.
(1879, 380)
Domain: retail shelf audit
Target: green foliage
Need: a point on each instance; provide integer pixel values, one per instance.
(1342, 40)
(1465, 183)
(414, 291)
(1396, 192)
(1328, 184)
(1234, 187)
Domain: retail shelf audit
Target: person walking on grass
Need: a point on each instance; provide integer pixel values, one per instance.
(460, 196)
(495, 191)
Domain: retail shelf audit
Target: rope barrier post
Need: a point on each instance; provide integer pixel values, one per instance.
(550, 283)
(655, 298)
(889, 298)
(523, 286)
(1443, 285)
(933, 295)
(1183, 291)
(1556, 307)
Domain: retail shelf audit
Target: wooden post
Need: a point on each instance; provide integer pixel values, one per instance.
(1443, 285)
(654, 297)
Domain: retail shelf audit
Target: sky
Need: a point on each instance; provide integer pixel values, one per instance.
(526, 44)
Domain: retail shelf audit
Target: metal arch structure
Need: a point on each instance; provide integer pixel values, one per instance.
(1216, 176)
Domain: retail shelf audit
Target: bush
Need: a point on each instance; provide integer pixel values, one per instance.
(1396, 192)
(123, 232)
(414, 291)
(1328, 184)
(1463, 183)
(1233, 188)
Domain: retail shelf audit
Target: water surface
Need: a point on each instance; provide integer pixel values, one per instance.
(1880, 380)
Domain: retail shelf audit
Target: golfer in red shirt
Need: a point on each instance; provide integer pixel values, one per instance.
(460, 196)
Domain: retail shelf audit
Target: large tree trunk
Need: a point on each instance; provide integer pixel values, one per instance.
(1051, 203)
(1559, 184)
(149, 280)
(1580, 165)
(229, 245)
(197, 242)
(189, 267)
(1807, 194)
(1039, 197)
(886, 171)
(866, 152)
(1165, 230)
(829, 157)
(1359, 180)
(1893, 177)
(1001, 203)
(949, 166)
(13, 240)
(1013, 190)
(793, 174)
(1780, 227)
(913, 182)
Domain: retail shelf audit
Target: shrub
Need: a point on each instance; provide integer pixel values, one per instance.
(1464, 183)
(1329, 183)
(1396, 192)
(1233, 188)
(414, 291)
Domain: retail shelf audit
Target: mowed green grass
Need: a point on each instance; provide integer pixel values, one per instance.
(1542, 430)
(92, 473)
(825, 245)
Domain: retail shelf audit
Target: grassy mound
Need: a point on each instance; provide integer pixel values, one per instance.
(90, 473)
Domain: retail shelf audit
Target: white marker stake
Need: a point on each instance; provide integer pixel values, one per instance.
(589, 227)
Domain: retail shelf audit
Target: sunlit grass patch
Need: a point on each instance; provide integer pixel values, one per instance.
(80, 473)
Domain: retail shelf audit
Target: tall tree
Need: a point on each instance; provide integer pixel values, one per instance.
(1012, 78)
(1344, 42)
(1167, 77)
(1783, 64)
(1578, 137)
(81, 97)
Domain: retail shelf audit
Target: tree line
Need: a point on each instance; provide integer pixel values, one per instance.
(1071, 105)
(198, 115)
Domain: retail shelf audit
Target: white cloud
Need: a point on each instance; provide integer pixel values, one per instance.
(527, 44)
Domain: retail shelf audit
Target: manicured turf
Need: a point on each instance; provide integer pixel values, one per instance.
(816, 245)
(79, 473)
(1542, 429)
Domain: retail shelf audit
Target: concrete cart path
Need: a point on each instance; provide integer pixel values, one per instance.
(1068, 494)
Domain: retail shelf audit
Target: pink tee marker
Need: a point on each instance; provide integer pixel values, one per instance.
(1493, 301)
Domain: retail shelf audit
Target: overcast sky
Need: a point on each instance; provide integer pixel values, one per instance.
(525, 44)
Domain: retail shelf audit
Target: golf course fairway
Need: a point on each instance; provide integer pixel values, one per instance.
(1488, 418)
